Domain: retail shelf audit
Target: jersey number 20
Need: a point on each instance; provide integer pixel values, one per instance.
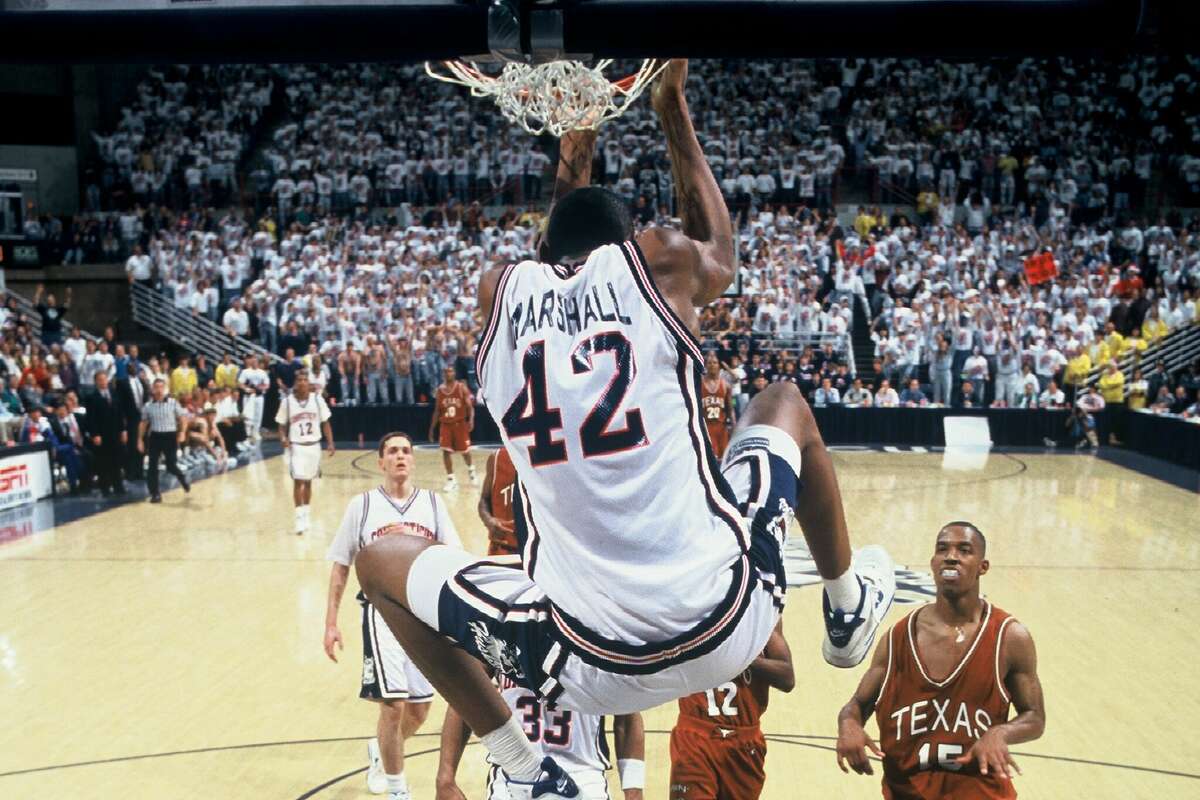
(530, 413)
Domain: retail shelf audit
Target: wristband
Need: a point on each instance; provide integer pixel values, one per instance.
(632, 772)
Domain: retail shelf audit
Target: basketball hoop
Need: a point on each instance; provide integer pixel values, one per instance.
(554, 97)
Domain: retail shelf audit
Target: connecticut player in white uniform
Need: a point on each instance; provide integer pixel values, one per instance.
(302, 417)
(650, 571)
(576, 741)
(389, 677)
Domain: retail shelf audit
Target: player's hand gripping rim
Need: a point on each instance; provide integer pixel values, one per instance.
(991, 753)
(852, 746)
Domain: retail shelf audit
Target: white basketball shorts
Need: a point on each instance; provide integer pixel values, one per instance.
(304, 461)
(388, 673)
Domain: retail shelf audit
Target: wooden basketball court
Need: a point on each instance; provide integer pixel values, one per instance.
(174, 651)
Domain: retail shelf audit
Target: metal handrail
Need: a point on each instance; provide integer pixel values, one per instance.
(1177, 349)
(192, 331)
(29, 312)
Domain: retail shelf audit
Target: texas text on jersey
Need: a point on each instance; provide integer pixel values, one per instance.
(925, 724)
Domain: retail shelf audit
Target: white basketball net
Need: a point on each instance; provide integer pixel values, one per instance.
(554, 97)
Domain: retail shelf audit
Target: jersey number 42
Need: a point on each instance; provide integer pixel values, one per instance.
(530, 413)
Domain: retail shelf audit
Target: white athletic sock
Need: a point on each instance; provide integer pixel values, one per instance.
(397, 783)
(844, 591)
(513, 751)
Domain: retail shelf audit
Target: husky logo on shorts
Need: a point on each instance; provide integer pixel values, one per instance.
(500, 656)
(368, 675)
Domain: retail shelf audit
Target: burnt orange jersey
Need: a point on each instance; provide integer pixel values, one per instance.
(714, 400)
(452, 404)
(926, 721)
(504, 483)
(735, 704)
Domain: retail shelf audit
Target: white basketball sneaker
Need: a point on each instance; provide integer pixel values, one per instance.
(451, 484)
(376, 777)
(553, 782)
(850, 634)
(474, 476)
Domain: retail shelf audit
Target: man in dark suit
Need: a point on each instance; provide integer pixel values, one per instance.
(131, 394)
(107, 435)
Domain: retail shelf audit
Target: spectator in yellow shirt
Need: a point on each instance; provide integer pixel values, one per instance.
(1138, 388)
(1154, 327)
(1112, 385)
(1114, 340)
(864, 222)
(226, 376)
(1078, 367)
(1098, 351)
(183, 380)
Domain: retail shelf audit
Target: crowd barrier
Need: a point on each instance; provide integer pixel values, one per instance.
(1167, 438)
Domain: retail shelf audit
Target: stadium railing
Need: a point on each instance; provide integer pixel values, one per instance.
(1177, 349)
(29, 312)
(191, 331)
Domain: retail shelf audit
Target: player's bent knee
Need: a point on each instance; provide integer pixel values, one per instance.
(383, 565)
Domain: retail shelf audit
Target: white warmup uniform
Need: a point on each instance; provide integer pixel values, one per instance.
(576, 741)
(649, 563)
(303, 420)
(388, 673)
(252, 403)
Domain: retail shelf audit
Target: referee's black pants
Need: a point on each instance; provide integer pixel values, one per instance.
(162, 444)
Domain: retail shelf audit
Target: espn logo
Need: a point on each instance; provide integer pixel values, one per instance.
(13, 478)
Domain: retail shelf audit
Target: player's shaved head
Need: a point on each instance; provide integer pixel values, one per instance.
(972, 529)
(389, 436)
(586, 218)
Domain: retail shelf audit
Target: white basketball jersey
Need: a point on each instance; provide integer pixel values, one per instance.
(595, 385)
(375, 514)
(576, 741)
(303, 419)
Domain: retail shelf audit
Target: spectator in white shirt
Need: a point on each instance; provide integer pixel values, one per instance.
(886, 397)
(138, 266)
(236, 320)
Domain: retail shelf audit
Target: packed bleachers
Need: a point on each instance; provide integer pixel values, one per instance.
(380, 194)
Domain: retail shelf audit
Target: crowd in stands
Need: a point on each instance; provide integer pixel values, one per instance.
(382, 195)
(87, 398)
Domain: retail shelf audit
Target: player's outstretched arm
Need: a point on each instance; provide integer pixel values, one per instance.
(697, 266)
(853, 740)
(1021, 680)
(455, 734)
(775, 664)
(576, 150)
(629, 740)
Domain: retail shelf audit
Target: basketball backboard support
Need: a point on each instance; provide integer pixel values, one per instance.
(243, 31)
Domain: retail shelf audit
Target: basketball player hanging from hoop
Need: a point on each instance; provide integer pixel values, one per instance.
(941, 684)
(302, 418)
(649, 571)
(717, 402)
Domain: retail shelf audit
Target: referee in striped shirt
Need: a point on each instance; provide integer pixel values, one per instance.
(163, 419)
